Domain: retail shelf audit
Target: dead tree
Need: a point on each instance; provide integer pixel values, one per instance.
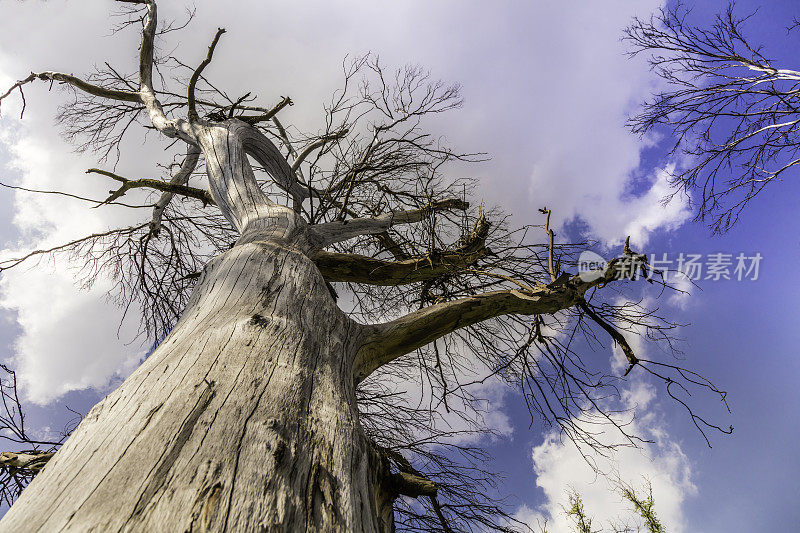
(266, 406)
(31, 451)
(733, 111)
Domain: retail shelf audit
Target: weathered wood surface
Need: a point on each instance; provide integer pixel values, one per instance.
(243, 419)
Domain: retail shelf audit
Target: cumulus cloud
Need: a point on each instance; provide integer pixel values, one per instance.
(585, 164)
(69, 340)
(642, 215)
(547, 89)
(560, 468)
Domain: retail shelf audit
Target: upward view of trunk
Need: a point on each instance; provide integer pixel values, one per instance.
(244, 418)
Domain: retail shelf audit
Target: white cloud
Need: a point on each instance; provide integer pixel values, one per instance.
(639, 217)
(560, 467)
(681, 296)
(583, 158)
(547, 88)
(70, 340)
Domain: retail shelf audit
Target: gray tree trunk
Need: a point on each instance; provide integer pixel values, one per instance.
(244, 418)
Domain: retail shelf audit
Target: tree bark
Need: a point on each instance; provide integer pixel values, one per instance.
(244, 418)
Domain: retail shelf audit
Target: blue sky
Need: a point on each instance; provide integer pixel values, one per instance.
(547, 89)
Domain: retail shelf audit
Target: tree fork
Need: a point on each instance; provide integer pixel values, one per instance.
(245, 416)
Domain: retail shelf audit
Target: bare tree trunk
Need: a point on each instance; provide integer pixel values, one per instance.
(244, 418)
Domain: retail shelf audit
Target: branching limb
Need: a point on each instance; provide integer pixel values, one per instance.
(410, 482)
(31, 460)
(19, 85)
(354, 268)
(413, 485)
(171, 128)
(29, 455)
(260, 148)
(85, 86)
(385, 240)
(145, 95)
(192, 111)
(390, 245)
(284, 136)
(732, 111)
(390, 340)
(10, 263)
(551, 236)
(308, 150)
(616, 335)
(688, 378)
(169, 187)
(89, 88)
(179, 179)
(269, 115)
(333, 232)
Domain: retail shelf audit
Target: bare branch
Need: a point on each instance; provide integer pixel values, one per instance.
(730, 108)
(88, 88)
(10, 263)
(308, 150)
(354, 268)
(192, 112)
(616, 335)
(168, 187)
(75, 196)
(550, 244)
(269, 115)
(33, 461)
(180, 179)
(410, 482)
(29, 454)
(337, 231)
(260, 148)
(18, 85)
(390, 340)
(170, 128)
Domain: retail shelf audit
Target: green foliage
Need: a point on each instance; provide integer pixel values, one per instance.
(643, 505)
(583, 524)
